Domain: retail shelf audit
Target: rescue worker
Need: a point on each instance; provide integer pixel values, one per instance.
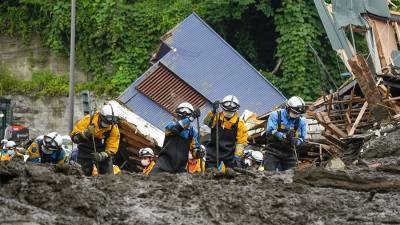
(195, 165)
(180, 138)
(47, 149)
(147, 159)
(97, 137)
(232, 134)
(8, 151)
(3, 143)
(286, 131)
(253, 160)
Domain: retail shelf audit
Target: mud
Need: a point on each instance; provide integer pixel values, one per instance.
(39, 194)
(386, 144)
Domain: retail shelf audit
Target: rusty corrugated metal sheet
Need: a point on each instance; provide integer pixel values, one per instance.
(168, 90)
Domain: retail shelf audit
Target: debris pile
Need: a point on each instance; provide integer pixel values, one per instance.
(371, 96)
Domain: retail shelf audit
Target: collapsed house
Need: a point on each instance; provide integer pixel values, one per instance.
(193, 64)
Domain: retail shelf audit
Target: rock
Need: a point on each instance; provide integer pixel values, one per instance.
(335, 164)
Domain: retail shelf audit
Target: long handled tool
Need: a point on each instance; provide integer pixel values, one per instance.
(201, 159)
(92, 112)
(217, 137)
(296, 157)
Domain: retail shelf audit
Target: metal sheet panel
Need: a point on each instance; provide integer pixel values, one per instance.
(151, 111)
(337, 37)
(349, 11)
(168, 90)
(211, 66)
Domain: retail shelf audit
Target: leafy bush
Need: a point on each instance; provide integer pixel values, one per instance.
(43, 83)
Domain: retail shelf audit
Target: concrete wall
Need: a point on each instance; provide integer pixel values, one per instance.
(46, 114)
(22, 59)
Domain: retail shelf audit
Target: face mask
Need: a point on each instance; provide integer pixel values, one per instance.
(228, 114)
(46, 150)
(293, 115)
(145, 162)
(103, 125)
(248, 162)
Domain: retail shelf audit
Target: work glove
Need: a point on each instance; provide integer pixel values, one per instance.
(280, 135)
(185, 123)
(291, 138)
(199, 153)
(89, 131)
(196, 113)
(215, 106)
(100, 156)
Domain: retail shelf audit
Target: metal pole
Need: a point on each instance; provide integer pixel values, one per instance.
(72, 67)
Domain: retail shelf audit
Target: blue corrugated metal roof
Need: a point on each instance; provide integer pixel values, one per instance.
(211, 66)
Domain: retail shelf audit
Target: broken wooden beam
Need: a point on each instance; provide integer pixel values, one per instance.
(367, 85)
(359, 117)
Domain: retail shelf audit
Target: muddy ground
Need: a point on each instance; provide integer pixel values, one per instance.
(40, 194)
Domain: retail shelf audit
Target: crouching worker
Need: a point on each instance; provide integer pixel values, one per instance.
(180, 138)
(196, 165)
(253, 160)
(97, 137)
(286, 131)
(47, 149)
(147, 159)
(228, 131)
(8, 150)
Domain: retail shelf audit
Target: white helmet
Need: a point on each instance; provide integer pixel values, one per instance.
(296, 105)
(10, 144)
(184, 109)
(257, 156)
(146, 152)
(4, 141)
(107, 115)
(52, 141)
(39, 138)
(230, 103)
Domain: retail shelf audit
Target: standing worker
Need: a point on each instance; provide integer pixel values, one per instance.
(97, 137)
(180, 138)
(286, 130)
(47, 149)
(232, 134)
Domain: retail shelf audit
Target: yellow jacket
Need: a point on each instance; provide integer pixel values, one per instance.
(193, 166)
(241, 137)
(112, 141)
(227, 123)
(148, 169)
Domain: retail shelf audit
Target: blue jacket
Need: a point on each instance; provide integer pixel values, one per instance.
(170, 129)
(286, 124)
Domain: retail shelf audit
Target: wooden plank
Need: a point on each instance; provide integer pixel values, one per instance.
(359, 117)
(349, 108)
(367, 85)
(379, 47)
(396, 28)
(324, 119)
(330, 104)
(392, 99)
